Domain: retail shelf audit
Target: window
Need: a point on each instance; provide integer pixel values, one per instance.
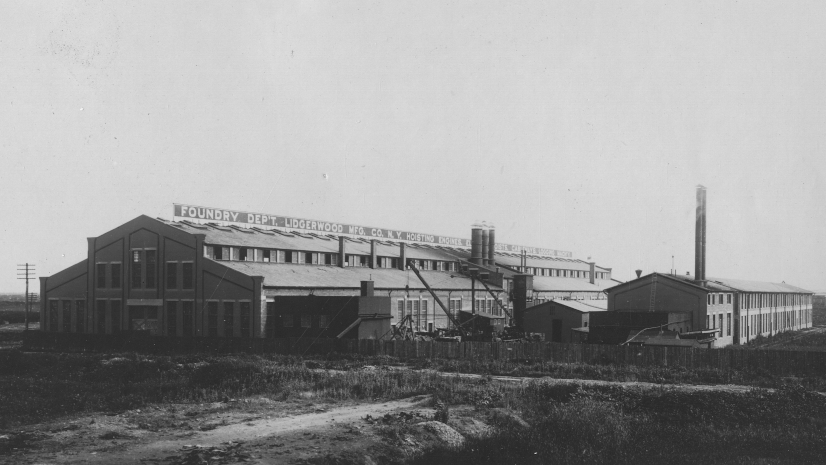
(266, 255)
(244, 315)
(67, 316)
(306, 321)
(229, 319)
(728, 298)
(286, 255)
(288, 320)
(415, 312)
(150, 268)
(116, 275)
(309, 257)
(187, 316)
(400, 308)
(728, 324)
(424, 310)
(269, 328)
(188, 275)
(143, 276)
(101, 275)
(217, 253)
(53, 315)
(171, 318)
(212, 319)
(172, 275)
(100, 312)
(323, 322)
(115, 310)
(243, 254)
(80, 317)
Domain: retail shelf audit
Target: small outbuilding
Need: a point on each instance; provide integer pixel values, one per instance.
(560, 320)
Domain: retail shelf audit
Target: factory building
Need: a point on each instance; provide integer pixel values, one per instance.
(221, 273)
(717, 312)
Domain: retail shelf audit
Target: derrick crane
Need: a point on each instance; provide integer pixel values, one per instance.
(453, 319)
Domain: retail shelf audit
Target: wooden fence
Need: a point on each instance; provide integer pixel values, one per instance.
(775, 362)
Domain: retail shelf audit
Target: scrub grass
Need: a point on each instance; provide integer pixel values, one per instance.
(614, 372)
(612, 425)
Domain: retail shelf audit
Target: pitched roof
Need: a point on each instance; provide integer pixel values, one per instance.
(729, 285)
(554, 283)
(317, 277)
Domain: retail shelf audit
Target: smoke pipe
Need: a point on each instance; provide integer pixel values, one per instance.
(491, 245)
(700, 238)
(485, 246)
(476, 244)
(341, 251)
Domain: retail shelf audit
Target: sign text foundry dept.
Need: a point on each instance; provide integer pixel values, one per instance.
(273, 221)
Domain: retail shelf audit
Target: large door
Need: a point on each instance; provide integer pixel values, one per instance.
(144, 318)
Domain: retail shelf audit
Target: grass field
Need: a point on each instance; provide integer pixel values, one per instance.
(15, 312)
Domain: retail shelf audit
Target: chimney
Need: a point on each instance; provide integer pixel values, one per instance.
(639, 273)
(476, 244)
(341, 255)
(491, 245)
(700, 238)
(402, 263)
(485, 245)
(593, 271)
(373, 260)
(367, 288)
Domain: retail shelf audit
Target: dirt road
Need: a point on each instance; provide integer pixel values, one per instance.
(277, 440)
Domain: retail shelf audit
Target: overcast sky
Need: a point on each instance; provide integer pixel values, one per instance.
(580, 127)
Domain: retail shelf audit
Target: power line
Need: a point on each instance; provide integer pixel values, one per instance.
(26, 271)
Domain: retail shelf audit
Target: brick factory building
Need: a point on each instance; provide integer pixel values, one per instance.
(222, 273)
(716, 311)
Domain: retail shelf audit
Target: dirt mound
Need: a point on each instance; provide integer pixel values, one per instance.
(507, 418)
(444, 432)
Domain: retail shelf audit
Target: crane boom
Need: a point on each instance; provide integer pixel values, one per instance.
(438, 300)
(496, 299)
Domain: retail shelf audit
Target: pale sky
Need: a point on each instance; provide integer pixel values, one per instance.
(580, 127)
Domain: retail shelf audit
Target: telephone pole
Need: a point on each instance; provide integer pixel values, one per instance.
(26, 271)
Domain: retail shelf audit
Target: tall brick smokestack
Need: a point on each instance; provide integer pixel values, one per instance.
(476, 244)
(700, 238)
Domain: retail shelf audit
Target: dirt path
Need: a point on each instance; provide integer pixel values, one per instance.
(311, 432)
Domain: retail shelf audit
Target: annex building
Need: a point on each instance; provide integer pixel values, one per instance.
(715, 312)
(222, 273)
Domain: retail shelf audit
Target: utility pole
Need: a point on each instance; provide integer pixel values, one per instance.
(26, 271)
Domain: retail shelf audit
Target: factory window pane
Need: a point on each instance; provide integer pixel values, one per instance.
(488, 304)
(266, 255)
(728, 298)
(229, 319)
(217, 253)
(212, 319)
(187, 315)
(243, 253)
(137, 268)
(100, 270)
(171, 318)
(100, 312)
(328, 259)
(400, 308)
(306, 321)
(728, 324)
(188, 275)
(288, 256)
(115, 311)
(172, 275)
(115, 275)
(150, 268)
(288, 320)
(298, 257)
(322, 321)
(80, 316)
(308, 258)
(424, 312)
(244, 315)
(67, 316)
